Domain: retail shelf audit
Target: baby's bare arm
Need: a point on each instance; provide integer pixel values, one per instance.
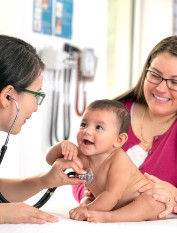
(144, 207)
(104, 202)
(54, 153)
(65, 149)
(118, 178)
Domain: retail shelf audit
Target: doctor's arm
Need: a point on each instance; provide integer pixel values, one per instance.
(20, 189)
(16, 190)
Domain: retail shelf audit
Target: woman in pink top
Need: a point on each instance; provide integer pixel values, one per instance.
(153, 132)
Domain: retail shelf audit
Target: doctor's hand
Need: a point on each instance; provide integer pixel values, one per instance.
(57, 177)
(23, 213)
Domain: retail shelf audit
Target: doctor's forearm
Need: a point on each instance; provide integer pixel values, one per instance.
(17, 190)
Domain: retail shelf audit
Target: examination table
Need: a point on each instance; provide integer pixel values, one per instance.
(60, 204)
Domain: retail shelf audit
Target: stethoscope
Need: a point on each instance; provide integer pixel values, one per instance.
(49, 192)
(4, 147)
(88, 176)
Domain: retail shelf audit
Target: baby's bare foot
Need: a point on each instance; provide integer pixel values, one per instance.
(98, 216)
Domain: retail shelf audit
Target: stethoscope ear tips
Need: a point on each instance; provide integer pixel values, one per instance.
(8, 97)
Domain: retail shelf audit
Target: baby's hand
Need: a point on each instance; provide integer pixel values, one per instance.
(79, 213)
(69, 150)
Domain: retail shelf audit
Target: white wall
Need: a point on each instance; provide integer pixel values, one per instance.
(119, 48)
(154, 22)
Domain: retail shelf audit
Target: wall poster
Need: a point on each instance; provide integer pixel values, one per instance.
(53, 17)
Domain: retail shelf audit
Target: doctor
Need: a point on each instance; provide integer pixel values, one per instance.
(21, 80)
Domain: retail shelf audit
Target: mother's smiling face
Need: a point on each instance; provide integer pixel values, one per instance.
(160, 99)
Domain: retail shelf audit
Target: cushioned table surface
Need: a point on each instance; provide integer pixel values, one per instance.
(59, 206)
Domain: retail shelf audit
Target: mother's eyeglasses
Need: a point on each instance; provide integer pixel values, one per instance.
(39, 95)
(156, 79)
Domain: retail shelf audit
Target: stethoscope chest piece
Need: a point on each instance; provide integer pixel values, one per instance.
(88, 176)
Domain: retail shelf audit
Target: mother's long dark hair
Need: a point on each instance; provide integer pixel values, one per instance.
(136, 94)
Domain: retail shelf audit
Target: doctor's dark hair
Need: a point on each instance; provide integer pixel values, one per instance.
(19, 63)
(136, 94)
(123, 116)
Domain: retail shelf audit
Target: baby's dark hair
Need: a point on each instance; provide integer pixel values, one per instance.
(116, 107)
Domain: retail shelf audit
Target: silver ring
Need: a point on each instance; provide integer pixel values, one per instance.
(169, 199)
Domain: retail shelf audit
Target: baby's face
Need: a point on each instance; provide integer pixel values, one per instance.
(98, 133)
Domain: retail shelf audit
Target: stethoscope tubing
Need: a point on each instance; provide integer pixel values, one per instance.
(49, 192)
(10, 130)
(4, 147)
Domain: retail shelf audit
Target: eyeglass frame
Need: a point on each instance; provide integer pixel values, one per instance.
(42, 94)
(162, 79)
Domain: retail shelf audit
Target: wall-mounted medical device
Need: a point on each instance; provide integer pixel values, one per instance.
(66, 65)
(88, 63)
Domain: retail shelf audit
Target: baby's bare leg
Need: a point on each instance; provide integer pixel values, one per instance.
(144, 207)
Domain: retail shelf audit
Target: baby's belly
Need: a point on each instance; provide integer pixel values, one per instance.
(96, 189)
(98, 185)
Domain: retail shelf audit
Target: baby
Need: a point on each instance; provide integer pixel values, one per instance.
(103, 131)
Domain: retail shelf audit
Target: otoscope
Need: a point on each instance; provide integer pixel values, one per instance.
(88, 176)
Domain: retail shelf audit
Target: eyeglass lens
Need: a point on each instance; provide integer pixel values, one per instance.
(39, 99)
(157, 79)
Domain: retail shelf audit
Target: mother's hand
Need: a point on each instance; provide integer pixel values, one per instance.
(161, 191)
(56, 176)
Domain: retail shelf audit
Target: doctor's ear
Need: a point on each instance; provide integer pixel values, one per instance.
(5, 95)
(121, 140)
